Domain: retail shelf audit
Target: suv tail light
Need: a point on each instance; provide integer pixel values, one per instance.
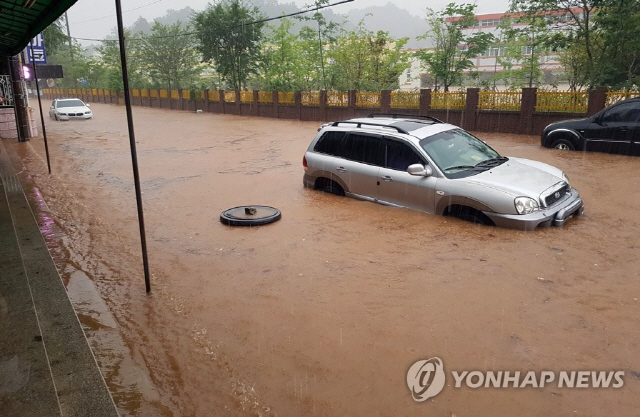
(304, 161)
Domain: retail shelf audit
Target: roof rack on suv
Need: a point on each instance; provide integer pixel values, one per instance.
(408, 116)
(359, 124)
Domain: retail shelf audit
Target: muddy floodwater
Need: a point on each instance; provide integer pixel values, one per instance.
(323, 312)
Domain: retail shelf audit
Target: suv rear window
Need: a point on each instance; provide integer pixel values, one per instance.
(329, 143)
(363, 148)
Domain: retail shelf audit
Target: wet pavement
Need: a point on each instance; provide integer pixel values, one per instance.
(324, 311)
(46, 365)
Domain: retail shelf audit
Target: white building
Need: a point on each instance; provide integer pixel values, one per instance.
(489, 63)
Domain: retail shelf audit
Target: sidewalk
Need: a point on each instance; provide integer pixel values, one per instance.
(46, 365)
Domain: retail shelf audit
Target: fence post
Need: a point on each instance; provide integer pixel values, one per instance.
(597, 100)
(471, 109)
(425, 101)
(352, 101)
(223, 101)
(385, 101)
(206, 100)
(238, 108)
(323, 106)
(275, 104)
(297, 100)
(255, 110)
(527, 109)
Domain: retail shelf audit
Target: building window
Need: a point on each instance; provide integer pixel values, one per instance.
(527, 50)
(490, 22)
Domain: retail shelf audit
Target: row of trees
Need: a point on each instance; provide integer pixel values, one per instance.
(229, 45)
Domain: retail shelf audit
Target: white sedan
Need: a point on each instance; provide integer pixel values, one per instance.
(69, 108)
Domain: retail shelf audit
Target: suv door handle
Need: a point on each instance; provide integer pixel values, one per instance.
(341, 169)
(387, 178)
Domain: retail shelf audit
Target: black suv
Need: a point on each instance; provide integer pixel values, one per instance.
(615, 129)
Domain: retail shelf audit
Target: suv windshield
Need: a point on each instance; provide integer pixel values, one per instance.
(70, 103)
(460, 154)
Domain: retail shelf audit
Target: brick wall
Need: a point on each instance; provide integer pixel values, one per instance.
(7, 123)
(525, 121)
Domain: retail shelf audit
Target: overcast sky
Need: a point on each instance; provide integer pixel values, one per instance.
(96, 19)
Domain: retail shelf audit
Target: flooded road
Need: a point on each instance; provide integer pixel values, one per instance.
(323, 312)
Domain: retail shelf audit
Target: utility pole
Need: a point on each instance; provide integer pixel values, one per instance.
(66, 19)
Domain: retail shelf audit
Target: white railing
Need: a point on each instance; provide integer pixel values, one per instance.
(6, 93)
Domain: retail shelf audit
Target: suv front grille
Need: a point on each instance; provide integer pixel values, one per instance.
(557, 195)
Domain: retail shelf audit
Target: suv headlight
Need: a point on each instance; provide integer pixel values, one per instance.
(566, 179)
(526, 205)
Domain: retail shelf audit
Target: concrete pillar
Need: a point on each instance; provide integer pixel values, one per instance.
(425, 101)
(597, 100)
(323, 106)
(527, 109)
(471, 109)
(276, 113)
(255, 110)
(297, 99)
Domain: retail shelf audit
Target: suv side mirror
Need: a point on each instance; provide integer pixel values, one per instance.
(420, 170)
(88, 105)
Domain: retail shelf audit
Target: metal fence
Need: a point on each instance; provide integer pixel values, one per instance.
(310, 98)
(286, 98)
(616, 96)
(546, 101)
(265, 97)
(450, 100)
(405, 100)
(371, 100)
(500, 100)
(230, 96)
(562, 101)
(337, 98)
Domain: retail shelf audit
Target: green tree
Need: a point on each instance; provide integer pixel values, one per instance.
(575, 62)
(453, 48)
(282, 59)
(367, 61)
(618, 24)
(602, 32)
(54, 37)
(73, 70)
(315, 40)
(109, 58)
(524, 41)
(312, 57)
(171, 58)
(230, 40)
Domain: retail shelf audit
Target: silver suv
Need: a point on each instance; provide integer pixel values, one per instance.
(424, 164)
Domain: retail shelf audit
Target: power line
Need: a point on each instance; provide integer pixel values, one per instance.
(240, 25)
(112, 15)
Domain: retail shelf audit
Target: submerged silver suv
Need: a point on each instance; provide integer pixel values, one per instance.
(435, 167)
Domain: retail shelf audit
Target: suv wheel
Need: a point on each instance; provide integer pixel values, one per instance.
(563, 144)
(329, 186)
(469, 214)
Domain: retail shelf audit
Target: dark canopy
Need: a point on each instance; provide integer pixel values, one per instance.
(21, 20)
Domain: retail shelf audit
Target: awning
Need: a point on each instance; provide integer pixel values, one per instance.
(21, 20)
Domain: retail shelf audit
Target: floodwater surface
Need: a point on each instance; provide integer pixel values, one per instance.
(323, 312)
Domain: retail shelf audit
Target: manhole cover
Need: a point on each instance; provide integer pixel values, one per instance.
(250, 215)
